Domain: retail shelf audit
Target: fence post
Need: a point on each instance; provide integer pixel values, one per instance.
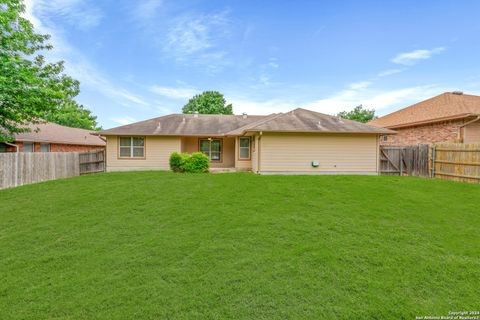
(400, 158)
(433, 160)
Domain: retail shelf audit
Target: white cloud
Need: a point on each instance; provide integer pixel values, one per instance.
(410, 58)
(146, 9)
(78, 13)
(174, 93)
(253, 107)
(360, 85)
(388, 72)
(343, 100)
(197, 37)
(124, 120)
(39, 12)
(375, 99)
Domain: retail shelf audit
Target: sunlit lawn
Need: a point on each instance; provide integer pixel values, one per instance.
(153, 245)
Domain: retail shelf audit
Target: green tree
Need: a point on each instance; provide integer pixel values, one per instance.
(30, 87)
(358, 114)
(73, 115)
(209, 102)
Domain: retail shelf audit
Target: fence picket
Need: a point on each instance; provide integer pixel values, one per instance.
(17, 169)
(404, 160)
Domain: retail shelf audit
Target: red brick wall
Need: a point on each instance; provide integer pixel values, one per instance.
(72, 148)
(427, 134)
(57, 147)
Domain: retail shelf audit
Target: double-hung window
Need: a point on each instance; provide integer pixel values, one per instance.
(45, 147)
(212, 148)
(244, 146)
(132, 147)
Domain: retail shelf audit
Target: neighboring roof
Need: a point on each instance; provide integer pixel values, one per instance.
(298, 120)
(55, 133)
(447, 106)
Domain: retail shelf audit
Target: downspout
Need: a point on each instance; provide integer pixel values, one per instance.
(259, 151)
(466, 124)
(12, 145)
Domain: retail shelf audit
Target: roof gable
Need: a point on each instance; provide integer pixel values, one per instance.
(302, 120)
(448, 105)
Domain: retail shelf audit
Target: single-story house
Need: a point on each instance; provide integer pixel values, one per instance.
(299, 141)
(449, 117)
(52, 137)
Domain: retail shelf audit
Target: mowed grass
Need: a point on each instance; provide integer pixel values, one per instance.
(153, 245)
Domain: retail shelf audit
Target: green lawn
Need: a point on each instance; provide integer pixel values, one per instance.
(153, 245)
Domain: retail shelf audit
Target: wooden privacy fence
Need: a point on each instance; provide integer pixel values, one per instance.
(91, 162)
(21, 168)
(456, 161)
(405, 160)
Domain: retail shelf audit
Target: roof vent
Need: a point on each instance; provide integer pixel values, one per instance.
(195, 114)
(244, 115)
(458, 92)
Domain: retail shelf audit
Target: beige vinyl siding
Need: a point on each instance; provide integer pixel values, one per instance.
(157, 153)
(472, 133)
(336, 153)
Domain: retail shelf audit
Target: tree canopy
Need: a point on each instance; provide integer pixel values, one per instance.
(209, 102)
(73, 115)
(31, 88)
(359, 114)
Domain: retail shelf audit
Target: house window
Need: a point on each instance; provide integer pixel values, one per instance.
(385, 138)
(132, 147)
(212, 148)
(45, 147)
(244, 146)
(28, 147)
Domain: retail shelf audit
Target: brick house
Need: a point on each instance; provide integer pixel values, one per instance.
(51, 137)
(449, 117)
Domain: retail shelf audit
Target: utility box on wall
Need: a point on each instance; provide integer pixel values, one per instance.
(315, 163)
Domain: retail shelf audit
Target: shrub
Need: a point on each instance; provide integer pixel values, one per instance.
(183, 162)
(197, 163)
(176, 162)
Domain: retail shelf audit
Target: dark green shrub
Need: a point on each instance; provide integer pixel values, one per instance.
(176, 162)
(183, 162)
(196, 163)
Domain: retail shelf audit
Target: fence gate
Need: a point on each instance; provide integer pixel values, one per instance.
(405, 160)
(91, 162)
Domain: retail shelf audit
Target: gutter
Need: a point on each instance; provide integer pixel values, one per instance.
(12, 145)
(419, 123)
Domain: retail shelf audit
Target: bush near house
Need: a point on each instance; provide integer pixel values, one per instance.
(196, 162)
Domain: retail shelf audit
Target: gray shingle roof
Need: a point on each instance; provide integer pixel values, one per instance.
(184, 125)
(302, 120)
(298, 120)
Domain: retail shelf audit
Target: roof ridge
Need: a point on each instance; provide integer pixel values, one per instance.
(256, 123)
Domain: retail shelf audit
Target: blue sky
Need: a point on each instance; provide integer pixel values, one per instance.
(141, 59)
